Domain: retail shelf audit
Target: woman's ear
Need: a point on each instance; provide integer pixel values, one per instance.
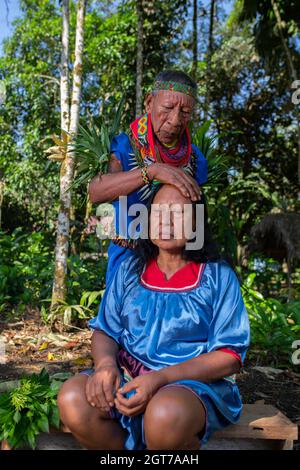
(148, 102)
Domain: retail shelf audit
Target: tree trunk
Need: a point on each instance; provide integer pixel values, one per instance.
(139, 58)
(208, 58)
(195, 41)
(64, 75)
(291, 68)
(67, 166)
(1, 200)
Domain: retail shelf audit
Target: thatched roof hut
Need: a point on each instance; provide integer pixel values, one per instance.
(278, 236)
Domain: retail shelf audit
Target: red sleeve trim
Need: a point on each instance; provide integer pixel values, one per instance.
(233, 353)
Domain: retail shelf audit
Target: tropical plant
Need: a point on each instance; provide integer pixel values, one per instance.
(65, 312)
(91, 146)
(26, 270)
(274, 326)
(29, 409)
(216, 160)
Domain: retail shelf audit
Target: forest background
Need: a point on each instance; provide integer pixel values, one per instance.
(244, 56)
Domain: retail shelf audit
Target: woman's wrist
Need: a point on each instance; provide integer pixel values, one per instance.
(109, 362)
(162, 377)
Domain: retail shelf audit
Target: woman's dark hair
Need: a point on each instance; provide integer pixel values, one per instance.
(176, 76)
(146, 250)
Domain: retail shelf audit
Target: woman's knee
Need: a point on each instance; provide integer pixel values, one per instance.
(71, 400)
(73, 406)
(172, 418)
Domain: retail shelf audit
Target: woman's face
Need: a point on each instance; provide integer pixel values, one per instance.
(168, 213)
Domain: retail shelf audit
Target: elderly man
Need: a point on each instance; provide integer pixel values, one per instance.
(157, 148)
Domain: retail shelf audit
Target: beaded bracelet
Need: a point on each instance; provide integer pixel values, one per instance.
(124, 242)
(145, 175)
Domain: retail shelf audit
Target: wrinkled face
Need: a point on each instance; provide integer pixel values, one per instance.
(170, 113)
(167, 219)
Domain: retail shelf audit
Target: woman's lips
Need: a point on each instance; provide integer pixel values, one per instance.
(166, 234)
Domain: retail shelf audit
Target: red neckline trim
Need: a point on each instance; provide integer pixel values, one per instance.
(186, 278)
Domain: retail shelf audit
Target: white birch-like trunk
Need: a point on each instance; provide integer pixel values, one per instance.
(64, 76)
(67, 166)
(139, 58)
(195, 39)
(208, 58)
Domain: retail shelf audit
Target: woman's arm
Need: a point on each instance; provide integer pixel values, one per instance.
(229, 332)
(207, 367)
(104, 349)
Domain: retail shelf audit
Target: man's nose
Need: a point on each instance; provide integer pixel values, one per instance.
(174, 118)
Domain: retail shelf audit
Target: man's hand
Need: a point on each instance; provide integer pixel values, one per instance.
(145, 386)
(175, 176)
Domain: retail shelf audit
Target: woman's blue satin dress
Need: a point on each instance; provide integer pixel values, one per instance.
(161, 328)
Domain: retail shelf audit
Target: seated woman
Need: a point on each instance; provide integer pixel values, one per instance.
(172, 331)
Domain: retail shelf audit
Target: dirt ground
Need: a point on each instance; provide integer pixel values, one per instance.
(30, 346)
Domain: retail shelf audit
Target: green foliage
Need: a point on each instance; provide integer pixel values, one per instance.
(25, 267)
(274, 325)
(26, 271)
(270, 280)
(30, 70)
(265, 26)
(216, 161)
(91, 147)
(250, 112)
(66, 313)
(218, 166)
(29, 409)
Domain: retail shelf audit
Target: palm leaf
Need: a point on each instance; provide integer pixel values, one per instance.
(91, 147)
(217, 162)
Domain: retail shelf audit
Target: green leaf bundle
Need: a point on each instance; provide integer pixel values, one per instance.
(29, 409)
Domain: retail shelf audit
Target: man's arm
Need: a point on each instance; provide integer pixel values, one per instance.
(207, 368)
(116, 182)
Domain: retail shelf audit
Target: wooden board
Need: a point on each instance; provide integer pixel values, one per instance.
(260, 427)
(260, 421)
(247, 444)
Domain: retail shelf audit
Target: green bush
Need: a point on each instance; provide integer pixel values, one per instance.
(26, 271)
(29, 409)
(275, 325)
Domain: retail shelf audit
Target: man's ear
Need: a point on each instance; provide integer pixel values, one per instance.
(148, 102)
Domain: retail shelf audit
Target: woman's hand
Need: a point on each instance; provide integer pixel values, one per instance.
(101, 386)
(175, 176)
(145, 386)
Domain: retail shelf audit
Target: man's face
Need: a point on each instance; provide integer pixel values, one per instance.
(170, 114)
